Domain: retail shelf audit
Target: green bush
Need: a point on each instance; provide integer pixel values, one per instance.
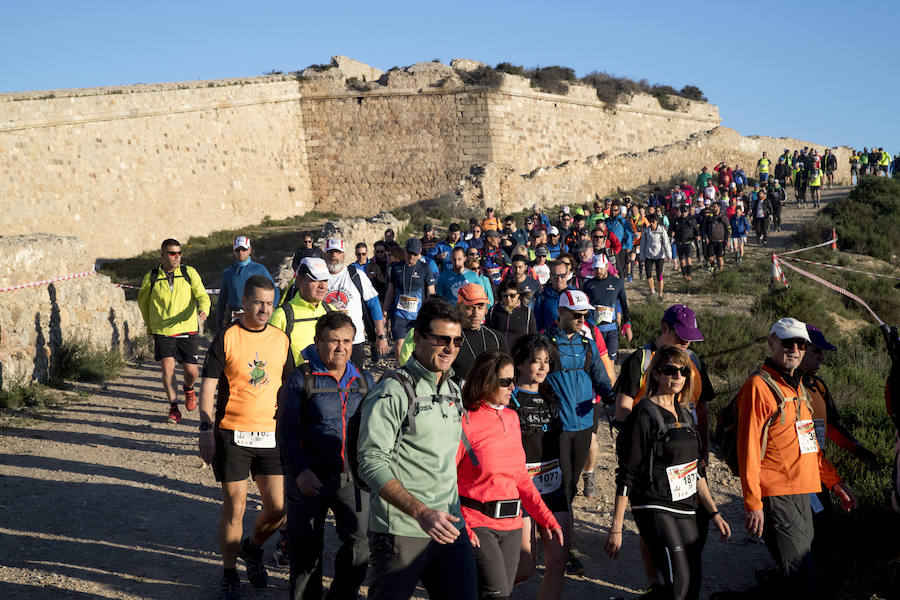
(867, 220)
(28, 395)
(77, 360)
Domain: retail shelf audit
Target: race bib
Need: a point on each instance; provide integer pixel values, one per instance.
(408, 304)
(605, 314)
(254, 439)
(806, 434)
(683, 480)
(820, 432)
(547, 476)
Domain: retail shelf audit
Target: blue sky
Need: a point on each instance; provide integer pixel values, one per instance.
(822, 71)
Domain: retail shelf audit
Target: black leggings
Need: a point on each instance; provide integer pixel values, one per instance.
(497, 560)
(675, 545)
(656, 263)
(573, 452)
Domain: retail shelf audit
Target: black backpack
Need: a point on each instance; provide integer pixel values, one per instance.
(685, 421)
(404, 378)
(154, 276)
(290, 320)
(727, 421)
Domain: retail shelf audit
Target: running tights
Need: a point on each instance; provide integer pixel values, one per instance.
(675, 545)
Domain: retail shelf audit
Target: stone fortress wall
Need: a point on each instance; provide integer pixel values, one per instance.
(125, 167)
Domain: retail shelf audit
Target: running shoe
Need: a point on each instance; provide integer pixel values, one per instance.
(190, 399)
(280, 556)
(574, 566)
(253, 559)
(174, 415)
(654, 590)
(629, 279)
(230, 589)
(589, 488)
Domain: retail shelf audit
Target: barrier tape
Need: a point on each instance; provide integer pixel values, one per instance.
(829, 242)
(827, 284)
(830, 266)
(137, 287)
(47, 281)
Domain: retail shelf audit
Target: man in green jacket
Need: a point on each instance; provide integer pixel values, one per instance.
(416, 529)
(173, 303)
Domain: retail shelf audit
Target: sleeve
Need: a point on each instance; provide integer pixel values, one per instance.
(752, 415)
(599, 377)
(429, 275)
(383, 413)
(214, 365)
(827, 473)
(667, 248)
(144, 299)
(614, 242)
(278, 319)
(375, 308)
(287, 425)
(532, 322)
(642, 251)
(623, 303)
(407, 348)
(199, 291)
(631, 445)
(629, 381)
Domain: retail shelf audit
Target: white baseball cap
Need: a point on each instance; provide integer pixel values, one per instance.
(334, 244)
(788, 328)
(574, 300)
(241, 241)
(600, 261)
(565, 210)
(553, 230)
(314, 268)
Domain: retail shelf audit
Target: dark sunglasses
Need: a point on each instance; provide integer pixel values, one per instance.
(579, 316)
(799, 342)
(174, 253)
(361, 253)
(558, 276)
(307, 241)
(511, 295)
(672, 370)
(505, 382)
(446, 340)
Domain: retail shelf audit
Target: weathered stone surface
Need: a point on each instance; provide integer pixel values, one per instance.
(354, 68)
(34, 321)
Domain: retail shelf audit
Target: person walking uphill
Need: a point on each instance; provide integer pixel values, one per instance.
(781, 462)
(173, 304)
(409, 432)
(248, 362)
(493, 479)
(314, 408)
(655, 250)
(228, 306)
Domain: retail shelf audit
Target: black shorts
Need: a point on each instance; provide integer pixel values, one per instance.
(235, 463)
(657, 264)
(185, 350)
(716, 249)
(684, 250)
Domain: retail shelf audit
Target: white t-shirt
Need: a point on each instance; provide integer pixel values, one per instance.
(541, 273)
(343, 295)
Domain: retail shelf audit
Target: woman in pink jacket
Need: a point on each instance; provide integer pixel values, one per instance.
(493, 491)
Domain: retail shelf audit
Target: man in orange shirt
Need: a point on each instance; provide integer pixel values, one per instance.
(780, 460)
(490, 222)
(249, 361)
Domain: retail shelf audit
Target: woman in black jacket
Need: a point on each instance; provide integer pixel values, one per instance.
(661, 475)
(509, 316)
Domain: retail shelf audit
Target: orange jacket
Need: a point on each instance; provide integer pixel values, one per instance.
(489, 223)
(784, 470)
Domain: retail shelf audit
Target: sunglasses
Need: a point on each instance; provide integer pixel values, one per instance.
(174, 253)
(361, 253)
(505, 382)
(579, 316)
(446, 340)
(799, 342)
(672, 370)
(558, 276)
(512, 295)
(307, 241)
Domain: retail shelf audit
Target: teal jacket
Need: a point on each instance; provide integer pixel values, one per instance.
(424, 462)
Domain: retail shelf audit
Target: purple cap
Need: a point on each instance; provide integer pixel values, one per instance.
(684, 322)
(817, 338)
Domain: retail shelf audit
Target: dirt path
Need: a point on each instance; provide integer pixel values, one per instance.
(101, 499)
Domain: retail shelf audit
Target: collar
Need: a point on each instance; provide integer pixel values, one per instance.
(311, 354)
(420, 372)
(791, 380)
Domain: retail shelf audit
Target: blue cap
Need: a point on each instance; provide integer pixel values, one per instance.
(414, 246)
(817, 338)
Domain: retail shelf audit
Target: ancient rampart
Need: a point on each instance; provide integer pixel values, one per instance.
(122, 168)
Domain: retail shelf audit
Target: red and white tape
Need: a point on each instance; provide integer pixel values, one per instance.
(828, 243)
(32, 284)
(840, 268)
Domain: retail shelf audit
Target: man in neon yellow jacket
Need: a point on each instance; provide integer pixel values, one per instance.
(174, 303)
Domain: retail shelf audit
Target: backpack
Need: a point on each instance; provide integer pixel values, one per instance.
(290, 320)
(404, 378)
(684, 421)
(154, 276)
(588, 356)
(310, 389)
(727, 421)
(368, 321)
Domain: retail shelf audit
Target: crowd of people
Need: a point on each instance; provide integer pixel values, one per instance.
(449, 469)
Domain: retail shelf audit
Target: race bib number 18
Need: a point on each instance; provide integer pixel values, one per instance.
(683, 480)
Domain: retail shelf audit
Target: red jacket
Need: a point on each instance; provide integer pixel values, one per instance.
(501, 474)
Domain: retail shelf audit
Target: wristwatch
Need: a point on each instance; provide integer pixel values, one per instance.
(205, 425)
(382, 336)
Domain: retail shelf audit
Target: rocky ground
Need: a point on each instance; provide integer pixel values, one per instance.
(102, 499)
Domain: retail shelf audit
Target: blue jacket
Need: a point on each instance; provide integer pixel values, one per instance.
(546, 308)
(312, 432)
(622, 230)
(444, 247)
(233, 279)
(739, 227)
(554, 250)
(572, 384)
